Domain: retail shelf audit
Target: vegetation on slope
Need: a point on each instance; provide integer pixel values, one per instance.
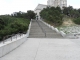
(53, 15)
(72, 13)
(14, 24)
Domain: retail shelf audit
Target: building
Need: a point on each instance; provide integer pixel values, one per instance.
(54, 3)
(50, 3)
(39, 8)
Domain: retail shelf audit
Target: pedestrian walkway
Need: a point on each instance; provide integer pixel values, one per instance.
(46, 49)
(40, 30)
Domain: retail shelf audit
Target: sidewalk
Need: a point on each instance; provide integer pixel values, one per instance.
(46, 49)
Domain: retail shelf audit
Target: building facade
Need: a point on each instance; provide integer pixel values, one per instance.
(39, 8)
(55, 3)
(52, 3)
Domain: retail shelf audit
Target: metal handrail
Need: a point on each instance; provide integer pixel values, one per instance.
(11, 37)
(41, 28)
(15, 36)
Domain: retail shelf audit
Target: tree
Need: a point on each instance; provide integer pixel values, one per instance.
(67, 10)
(19, 14)
(11, 25)
(1, 24)
(77, 21)
(31, 15)
(79, 10)
(53, 15)
(71, 12)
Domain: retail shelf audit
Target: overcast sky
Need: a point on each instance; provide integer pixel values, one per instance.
(10, 6)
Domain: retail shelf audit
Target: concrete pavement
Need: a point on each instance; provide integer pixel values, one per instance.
(46, 49)
(51, 47)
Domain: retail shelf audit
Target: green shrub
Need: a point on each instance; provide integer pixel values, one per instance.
(1, 24)
(53, 15)
(19, 26)
(77, 21)
(12, 25)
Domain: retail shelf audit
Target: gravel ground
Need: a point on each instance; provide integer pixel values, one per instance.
(70, 29)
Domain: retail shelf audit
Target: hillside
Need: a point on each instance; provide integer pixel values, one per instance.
(69, 26)
(67, 21)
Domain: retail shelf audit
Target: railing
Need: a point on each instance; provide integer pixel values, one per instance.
(11, 43)
(71, 36)
(41, 28)
(12, 37)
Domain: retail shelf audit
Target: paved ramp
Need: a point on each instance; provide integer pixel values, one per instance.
(40, 30)
(46, 49)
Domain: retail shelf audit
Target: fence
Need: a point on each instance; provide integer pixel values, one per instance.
(12, 37)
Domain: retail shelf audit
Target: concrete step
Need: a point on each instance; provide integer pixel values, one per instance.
(37, 36)
(37, 32)
(54, 35)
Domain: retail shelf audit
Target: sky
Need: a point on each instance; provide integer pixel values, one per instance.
(10, 6)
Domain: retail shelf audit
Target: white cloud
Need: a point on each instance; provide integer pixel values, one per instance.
(10, 6)
(74, 3)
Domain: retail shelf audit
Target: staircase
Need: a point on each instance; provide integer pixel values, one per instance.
(40, 30)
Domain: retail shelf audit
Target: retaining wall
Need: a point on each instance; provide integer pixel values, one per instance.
(9, 46)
